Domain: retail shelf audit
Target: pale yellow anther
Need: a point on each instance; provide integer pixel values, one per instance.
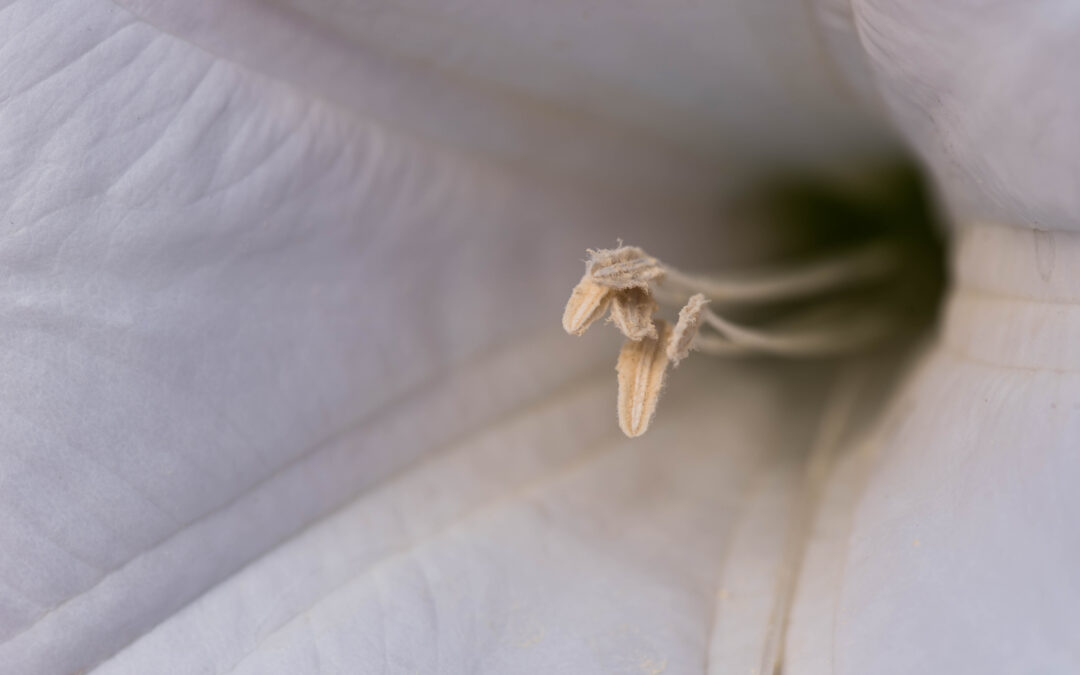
(632, 311)
(624, 267)
(641, 368)
(686, 328)
(587, 304)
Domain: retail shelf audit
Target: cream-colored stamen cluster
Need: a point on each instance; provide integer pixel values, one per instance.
(620, 283)
(620, 280)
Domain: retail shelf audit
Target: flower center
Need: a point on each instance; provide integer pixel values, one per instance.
(870, 271)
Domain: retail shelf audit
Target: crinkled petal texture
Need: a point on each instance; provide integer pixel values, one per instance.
(245, 290)
(284, 389)
(985, 93)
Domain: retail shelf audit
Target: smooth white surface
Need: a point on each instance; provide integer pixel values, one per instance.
(947, 540)
(546, 542)
(963, 551)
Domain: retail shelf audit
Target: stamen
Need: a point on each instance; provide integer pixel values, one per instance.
(632, 311)
(587, 304)
(641, 368)
(622, 279)
(686, 330)
(623, 268)
(866, 263)
(819, 332)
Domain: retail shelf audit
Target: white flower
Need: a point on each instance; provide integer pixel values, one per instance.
(283, 389)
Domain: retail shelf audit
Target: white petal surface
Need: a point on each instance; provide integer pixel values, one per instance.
(270, 261)
(687, 96)
(964, 548)
(226, 309)
(231, 306)
(986, 92)
(544, 543)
